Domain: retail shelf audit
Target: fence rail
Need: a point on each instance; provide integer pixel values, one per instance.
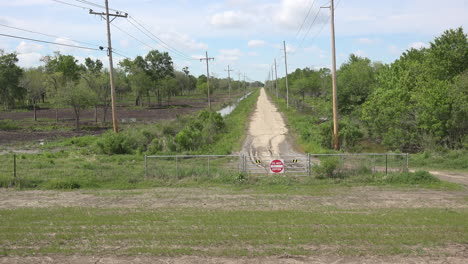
(180, 166)
(40, 168)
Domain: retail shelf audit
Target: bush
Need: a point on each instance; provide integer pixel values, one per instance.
(116, 143)
(349, 134)
(8, 125)
(326, 168)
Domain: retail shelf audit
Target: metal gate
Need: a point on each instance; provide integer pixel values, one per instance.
(294, 165)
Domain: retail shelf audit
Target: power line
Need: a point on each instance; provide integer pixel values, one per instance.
(48, 35)
(162, 42)
(98, 5)
(65, 3)
(305, 19)
(310, 27)
(54, 43)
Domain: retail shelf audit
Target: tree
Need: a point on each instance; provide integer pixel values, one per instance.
(355, 81)
(448, 54)
(97, 81)
(34, 82)
(79, 96)
(159, 65)
(10, 75)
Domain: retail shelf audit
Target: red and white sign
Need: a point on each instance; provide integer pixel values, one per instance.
(277, 166)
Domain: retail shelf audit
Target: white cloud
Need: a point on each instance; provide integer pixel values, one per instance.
(28, 47)
(125, 43)
(183, 41)
(316, 50)
(368, 41)
(394, 50)
(230, 54)
(291, 13)
(64, 49)
(261, 66)
(256, 43)
(360, 53)
(418, 45)
(197, 57)
(231, 19)
(28, 60)
(253, 54)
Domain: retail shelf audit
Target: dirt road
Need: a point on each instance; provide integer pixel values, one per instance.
(267, 134)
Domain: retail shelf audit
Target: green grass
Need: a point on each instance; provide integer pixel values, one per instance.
(303, 126)
(449, 160)
(73, 170)
(177, 231)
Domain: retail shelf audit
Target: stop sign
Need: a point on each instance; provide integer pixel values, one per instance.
(277, 166)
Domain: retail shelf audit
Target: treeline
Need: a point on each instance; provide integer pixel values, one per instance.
(63, 82)
(418, 102)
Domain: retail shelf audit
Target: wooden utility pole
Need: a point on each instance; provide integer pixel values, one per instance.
(107, 16)
(207, 77)
(336, 143)
(286, 68)
(229, 70)
(245, 86)
(276, 80)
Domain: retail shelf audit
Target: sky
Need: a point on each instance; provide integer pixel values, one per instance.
(247, 35)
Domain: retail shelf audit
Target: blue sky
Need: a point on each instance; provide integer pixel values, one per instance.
(245, 34)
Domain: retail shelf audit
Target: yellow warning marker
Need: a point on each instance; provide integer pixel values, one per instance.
(294, 160)
(257, 161)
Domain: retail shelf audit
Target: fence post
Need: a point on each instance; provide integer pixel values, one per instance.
(146, 167)
(373, 163)
(177, 167)
(407, 162)
(308, 164)
(208, 166)
(386, 164)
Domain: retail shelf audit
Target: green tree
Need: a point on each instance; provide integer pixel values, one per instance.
(356, 81)
(79, 96)
(10, 74)
(34, 82)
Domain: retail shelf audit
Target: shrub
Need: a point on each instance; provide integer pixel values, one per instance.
(155, 146)
(8, 124)
(116, 143)
(326, 168)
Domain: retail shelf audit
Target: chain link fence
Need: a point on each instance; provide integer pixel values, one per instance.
(316, 165)
(68, 171)
(32, 170)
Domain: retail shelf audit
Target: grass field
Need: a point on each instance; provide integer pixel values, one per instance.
(234, 222)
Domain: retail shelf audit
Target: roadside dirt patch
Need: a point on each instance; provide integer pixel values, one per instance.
(213, 198)
(222, 260)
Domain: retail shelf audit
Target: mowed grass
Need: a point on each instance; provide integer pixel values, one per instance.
(177, 231)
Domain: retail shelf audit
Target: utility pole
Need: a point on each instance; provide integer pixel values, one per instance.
(107, 16)
(276, 80)
(208, 77)
(286, 68)
(336, 144)
(229, 70)
(245, 86)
